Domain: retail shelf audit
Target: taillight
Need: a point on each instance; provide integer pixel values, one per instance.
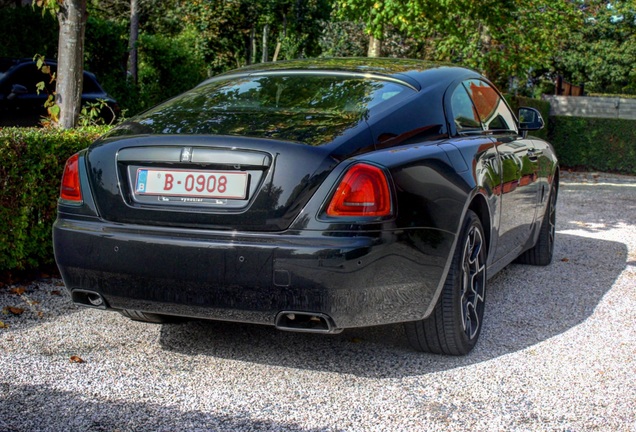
(363, 191)
(70, 189)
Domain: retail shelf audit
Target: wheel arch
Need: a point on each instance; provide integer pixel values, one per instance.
(556, 178)
(479, 205)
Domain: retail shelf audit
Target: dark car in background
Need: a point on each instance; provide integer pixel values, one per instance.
(20, 103)
(312, 196)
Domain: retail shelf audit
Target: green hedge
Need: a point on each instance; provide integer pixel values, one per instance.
(31, 165)
(595, 143)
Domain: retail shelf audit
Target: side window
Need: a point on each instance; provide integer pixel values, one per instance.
(464, 114)
(492, 109)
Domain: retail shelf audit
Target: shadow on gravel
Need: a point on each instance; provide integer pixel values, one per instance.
(35, 303)
(525, 306)
(30, 408)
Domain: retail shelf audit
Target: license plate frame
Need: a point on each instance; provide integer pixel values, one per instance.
(186, 183)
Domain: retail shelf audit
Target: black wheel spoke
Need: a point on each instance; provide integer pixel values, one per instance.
(472, 282)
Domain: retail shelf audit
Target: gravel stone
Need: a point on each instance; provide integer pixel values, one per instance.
(557, 352)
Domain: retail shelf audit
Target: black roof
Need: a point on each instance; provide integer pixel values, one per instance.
(425, 73)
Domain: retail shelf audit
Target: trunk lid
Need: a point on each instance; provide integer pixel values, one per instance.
(266, 183)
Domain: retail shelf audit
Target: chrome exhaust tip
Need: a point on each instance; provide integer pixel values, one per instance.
(88, 298)
(306, 322)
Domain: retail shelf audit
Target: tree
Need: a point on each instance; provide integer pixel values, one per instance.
(132, 40)
(71, 15)
(499, 38)
(601, 53)
(375, 14)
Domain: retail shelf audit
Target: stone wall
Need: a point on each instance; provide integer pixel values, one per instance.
(598, 107)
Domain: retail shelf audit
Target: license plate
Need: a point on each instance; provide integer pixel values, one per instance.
(186, 183)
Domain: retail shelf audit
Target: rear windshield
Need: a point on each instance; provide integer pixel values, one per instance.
(311, 108)
(299, 93)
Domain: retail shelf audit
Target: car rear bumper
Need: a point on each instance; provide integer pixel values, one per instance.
(353, 280)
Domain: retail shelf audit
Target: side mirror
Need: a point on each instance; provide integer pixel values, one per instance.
(17, 90)
(530, 119)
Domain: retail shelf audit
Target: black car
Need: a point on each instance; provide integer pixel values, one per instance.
(20, 103)
(313, 196)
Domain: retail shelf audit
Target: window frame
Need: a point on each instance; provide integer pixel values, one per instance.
(484, 130)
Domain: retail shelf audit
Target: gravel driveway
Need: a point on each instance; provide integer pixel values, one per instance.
(558, 352)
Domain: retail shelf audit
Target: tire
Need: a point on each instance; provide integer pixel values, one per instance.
(455, 324)
(541, 253)
(144, 316)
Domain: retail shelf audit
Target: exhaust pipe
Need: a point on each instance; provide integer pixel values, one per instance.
(307, 322)
(88, 298)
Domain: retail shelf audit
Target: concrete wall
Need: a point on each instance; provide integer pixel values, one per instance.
(599, 107)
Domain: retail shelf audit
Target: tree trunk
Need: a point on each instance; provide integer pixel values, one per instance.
(276, 52)
(265, 57)
(251, 49)
(375, 47)
(70, 61)
(132, 41)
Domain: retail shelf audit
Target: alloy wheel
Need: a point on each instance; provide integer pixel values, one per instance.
(473, 282)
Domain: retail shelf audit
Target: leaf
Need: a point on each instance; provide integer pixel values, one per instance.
(18, 290)
(77, 359)
(565, 260)
(54, 110)
(3, 325)
(40, 59)
(46, 69)
(12, 310)
(56, 293)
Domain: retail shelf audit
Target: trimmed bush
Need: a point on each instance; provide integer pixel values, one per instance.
(31, 165)
(595, 143)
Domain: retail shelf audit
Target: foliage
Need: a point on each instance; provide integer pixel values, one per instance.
(223, 28)
(601, 54)
(500, 39)
(52, 109)
(91, 113)
(51, 6)
(167, 66)
(25, 32)
(595, 143)
(343, 39)
(106, 55)
(349, 39)
(31, 165)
